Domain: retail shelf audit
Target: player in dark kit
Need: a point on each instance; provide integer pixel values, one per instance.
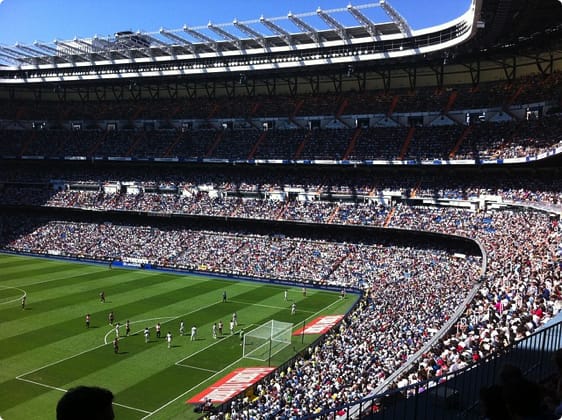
(127, 328)
(102, 296)
(116, 345)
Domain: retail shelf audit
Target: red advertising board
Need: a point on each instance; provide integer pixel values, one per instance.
(320, 325)
(231, 385)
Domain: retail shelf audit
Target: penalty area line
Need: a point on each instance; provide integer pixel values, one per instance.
(195, 367)
(73, 356)
(40, 384)
(191, 389)
(219, 340)
(199, 384)
(112, 330)
(140, 410)
(182, 395)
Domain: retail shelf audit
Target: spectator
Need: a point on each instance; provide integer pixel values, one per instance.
(86, 403)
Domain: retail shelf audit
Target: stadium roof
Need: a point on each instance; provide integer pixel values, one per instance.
(238, 36)
(344, 40)
(321, 37)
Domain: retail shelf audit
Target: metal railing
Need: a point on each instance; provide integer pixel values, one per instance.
(456, 395)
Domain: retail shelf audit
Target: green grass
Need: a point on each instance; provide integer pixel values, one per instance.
(47, 349)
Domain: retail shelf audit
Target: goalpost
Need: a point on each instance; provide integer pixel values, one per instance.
(266, 340)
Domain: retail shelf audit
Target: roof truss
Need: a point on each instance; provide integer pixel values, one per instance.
(333, 23)
(305, 27)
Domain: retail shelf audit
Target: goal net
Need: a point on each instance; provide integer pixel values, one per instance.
(266, 340)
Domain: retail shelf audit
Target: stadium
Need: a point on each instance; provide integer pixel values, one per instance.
(333, 216)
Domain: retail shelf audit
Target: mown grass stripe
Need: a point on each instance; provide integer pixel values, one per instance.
(35, 272)
(18, 343)
(50, 345)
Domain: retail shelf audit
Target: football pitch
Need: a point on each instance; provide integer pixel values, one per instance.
(46, 347)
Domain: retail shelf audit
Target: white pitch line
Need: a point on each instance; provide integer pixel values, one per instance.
(41, 282)
(41, 384)
(59, 361)
(112, 331)
(101, 345)
(64, 390)
(15, 299)
(209, 346)
(195, 367)
(132, 408)
(222, 370)
(190, 389)
(20, 377)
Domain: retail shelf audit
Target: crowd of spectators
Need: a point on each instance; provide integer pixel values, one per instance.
(521, 290)
(481, 141)
(409, 293)
(258, 182)
(325, 202)
(202, 196)
(413, 291)
(356, 265)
